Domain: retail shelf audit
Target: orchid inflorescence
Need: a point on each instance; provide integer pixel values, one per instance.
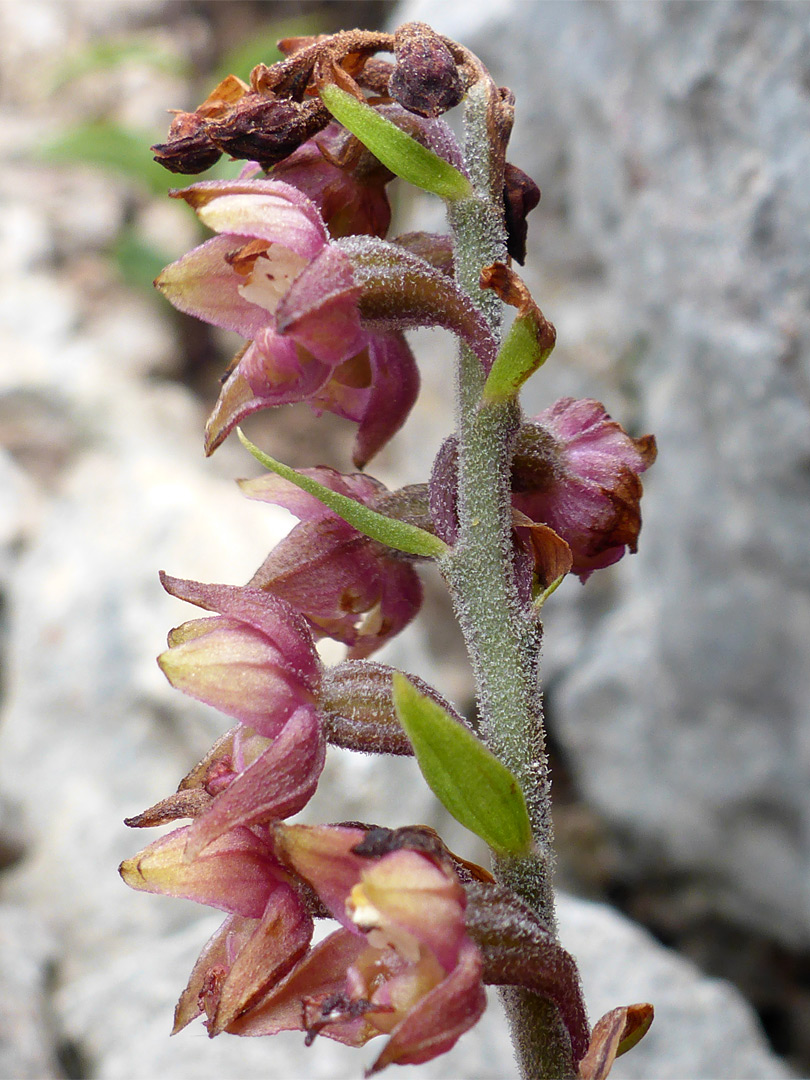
(300, 267)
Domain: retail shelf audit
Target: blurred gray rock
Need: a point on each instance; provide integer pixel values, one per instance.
(27, 1040)
(703, 1028)
(671, 249)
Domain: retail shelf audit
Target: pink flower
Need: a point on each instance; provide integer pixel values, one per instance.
(256, 661)
(348, 587)
(268, 233)
(577, 471)
(324, 318)
(402, 963)
(268, 930)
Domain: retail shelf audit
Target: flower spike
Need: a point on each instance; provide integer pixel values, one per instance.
(298, 265)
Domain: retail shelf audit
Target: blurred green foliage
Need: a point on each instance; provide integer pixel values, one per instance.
(108, 53)
(261, 48)
(110, 146)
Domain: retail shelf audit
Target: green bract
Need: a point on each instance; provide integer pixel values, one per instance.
(519, 357)
(395, 148)
(469, 781)
(395, 534)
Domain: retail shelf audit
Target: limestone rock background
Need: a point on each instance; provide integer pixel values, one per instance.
(671, 250)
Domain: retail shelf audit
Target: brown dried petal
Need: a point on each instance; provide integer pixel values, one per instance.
(520, 196)
(183, 804)
(289, 46)
(188, 149)
(267, 129)
(224, 95)
(552, 556)
(512, 290)
(426, 80)
(617, 1032)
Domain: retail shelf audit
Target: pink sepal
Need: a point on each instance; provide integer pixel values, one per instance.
(265, 209)
(319, 975)
(275, 489)
(441, 1017)
(276, 785)
(235, 873)
(202, 283)
(245, 959)
(284, 627)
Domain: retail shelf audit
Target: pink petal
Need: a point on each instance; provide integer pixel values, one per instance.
(263, 209)
(327, 571)
(277, 943)
(394, 389)
(235, 873)
(284, 627)
(319, 309)
(351, 200)
(400, 600)
(234, 668)
(320, 974)
(212, 962)
(272, 371)
(275, 786)
(273, 489)
(203, 284)
(412, 893)
(436, 1023)
(322, 855)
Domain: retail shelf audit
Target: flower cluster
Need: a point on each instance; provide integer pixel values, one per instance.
(300, 267)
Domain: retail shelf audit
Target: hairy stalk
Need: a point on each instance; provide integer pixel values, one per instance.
(502, 636)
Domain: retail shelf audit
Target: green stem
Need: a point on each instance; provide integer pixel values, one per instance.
(502, 633)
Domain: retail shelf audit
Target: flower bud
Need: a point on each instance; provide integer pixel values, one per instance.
(577, 471)
(348, 587)
(425, 80)
(255, 660)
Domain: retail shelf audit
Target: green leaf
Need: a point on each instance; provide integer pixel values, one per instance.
(394, 147)
(466, 777)
(519, 357)
(395, 534)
